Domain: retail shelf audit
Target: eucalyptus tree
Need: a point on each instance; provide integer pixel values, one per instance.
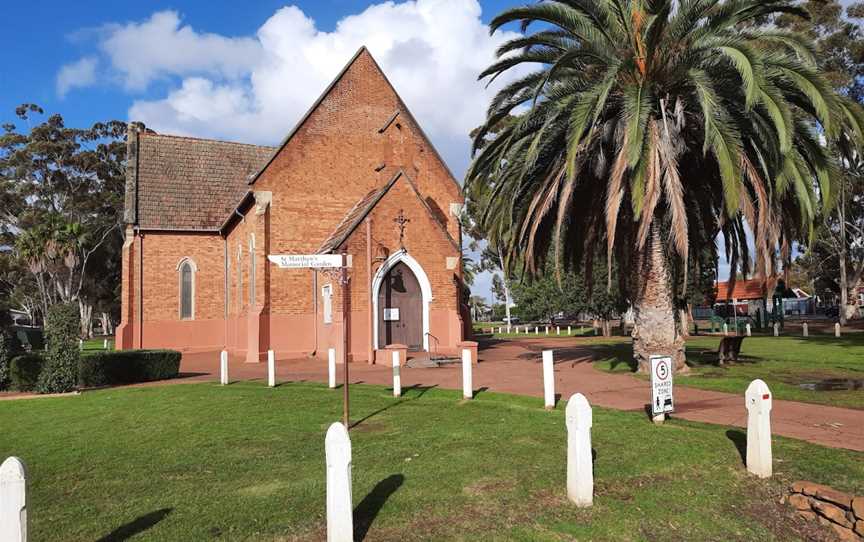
(650, 127)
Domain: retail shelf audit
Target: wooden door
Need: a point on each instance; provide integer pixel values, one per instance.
(400, 309)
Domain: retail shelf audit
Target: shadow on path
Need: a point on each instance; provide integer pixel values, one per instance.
(368, 509)
(139, 525)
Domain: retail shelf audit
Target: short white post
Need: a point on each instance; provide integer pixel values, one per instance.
(558, 330)
(596, 331)
(776, 329)
(340, 510)
(271, 369)
(580, 468)
(568, 330)
(467, 380)
(397, 379)
(223, 368)
(105, 344)
(499, 331)
(804, 329)
(547, 330)
(548, 380)
(747, 327)
(536, 330)
(13, 500)
(758, 402)
(725, 329)
(331, 367)
(508, 329)
(837, 329)
(80, 344)
(517, 330)
(581, 329)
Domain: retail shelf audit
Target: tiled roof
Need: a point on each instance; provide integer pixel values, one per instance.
(743, 290)
(186, 183)
(350, 221)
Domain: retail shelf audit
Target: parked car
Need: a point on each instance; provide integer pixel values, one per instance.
(513, 320)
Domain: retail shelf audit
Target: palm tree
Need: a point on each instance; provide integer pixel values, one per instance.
(650, 127)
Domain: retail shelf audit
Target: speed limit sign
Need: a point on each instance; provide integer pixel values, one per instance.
(661, 385)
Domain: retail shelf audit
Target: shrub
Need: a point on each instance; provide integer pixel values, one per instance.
(24, 372)
(6, 354)
(60, 373)
(127, 367)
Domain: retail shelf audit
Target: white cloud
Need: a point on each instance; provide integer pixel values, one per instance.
(81, 73)
(255, 89)
(160, 46)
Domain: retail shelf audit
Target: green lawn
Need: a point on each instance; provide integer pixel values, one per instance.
(784, 363)
(246, 462)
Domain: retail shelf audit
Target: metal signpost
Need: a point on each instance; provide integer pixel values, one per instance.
(661, 387)
(336, 267)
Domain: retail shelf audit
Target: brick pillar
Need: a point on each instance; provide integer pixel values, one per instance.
(124, 338)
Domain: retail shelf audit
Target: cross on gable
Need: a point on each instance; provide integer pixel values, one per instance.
(401, 220)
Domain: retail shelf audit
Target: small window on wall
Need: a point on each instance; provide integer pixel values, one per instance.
(187, 270)
(327, 300)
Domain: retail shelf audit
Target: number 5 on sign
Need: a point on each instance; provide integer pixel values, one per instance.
(661, 385)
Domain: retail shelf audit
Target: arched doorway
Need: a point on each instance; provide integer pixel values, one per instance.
(400, 308)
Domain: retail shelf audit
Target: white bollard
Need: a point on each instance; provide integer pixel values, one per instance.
(271, 369)
(558, 330)
(331, 367)
(580, 465)
(340, 510)
(547, 330)
(80, 344)
(568, 330)
(548, 380)
(223, 368)
(804, 329)
(725, 329)
(467, 380)
(508, 330)
(13, 501)
(758, 402)
(747, 327)
(596, 331)
(397, 379)
(776, 329)
(837, 329)
(105, 344)
(536, 330)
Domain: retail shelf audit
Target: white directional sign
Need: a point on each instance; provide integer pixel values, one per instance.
(306, 261)
(661, 385)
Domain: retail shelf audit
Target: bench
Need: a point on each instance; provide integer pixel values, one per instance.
(729, 349)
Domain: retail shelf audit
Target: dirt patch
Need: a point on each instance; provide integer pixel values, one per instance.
(369, 427)
(766, 508)
(623, 490)
(485, 486)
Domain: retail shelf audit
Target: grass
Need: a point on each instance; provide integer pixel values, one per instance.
(97, 344)
(246, 462)
(784, 363)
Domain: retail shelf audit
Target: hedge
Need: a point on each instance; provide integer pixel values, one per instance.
(24, 372)
(127, 367)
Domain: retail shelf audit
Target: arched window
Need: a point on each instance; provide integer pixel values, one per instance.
(186, 270)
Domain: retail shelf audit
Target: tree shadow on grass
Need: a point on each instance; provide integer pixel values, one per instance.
(366, 512)
(739, 438)
(139, 525)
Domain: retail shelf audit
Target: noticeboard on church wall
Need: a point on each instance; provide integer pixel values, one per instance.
(307, 261)
(391, 315)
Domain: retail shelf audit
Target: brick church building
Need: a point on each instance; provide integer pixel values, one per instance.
(356, 176)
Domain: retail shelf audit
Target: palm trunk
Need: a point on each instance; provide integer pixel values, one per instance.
(655, 331)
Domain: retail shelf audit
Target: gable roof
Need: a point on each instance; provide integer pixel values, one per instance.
(361, 209)
(317, 103)
(185, 183)
(745, 290)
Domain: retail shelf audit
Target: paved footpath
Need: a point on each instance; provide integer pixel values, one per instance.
(514, 366)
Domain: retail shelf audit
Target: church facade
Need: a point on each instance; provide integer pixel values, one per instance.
(207, 221)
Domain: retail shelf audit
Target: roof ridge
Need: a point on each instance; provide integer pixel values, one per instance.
(209, 140)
